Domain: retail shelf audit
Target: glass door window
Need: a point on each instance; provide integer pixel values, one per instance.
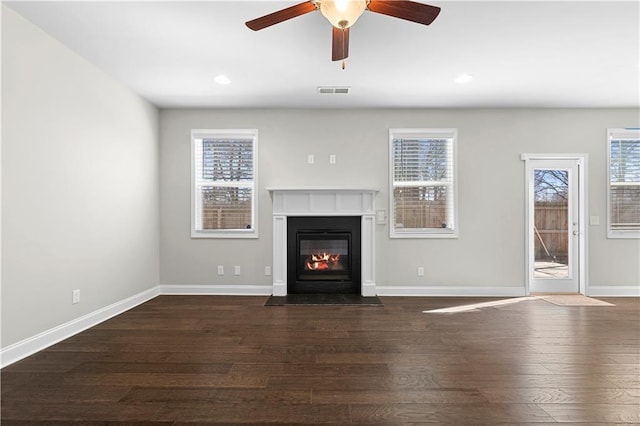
(551, 223)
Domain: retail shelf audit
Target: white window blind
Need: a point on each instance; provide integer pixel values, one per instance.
(223, 183)
(624, 183)
(423, 183)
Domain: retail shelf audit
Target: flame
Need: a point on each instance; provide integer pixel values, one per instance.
(322, 261)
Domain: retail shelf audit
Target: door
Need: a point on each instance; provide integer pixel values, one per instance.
(554, 225)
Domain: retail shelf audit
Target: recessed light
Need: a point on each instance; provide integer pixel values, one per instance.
(222, 79)
(463, 78)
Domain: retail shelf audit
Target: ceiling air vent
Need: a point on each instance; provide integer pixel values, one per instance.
(330, 90)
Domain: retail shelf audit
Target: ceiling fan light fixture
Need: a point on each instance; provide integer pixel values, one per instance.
(342, 13)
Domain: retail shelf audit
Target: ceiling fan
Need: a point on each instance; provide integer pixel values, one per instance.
(343, 14)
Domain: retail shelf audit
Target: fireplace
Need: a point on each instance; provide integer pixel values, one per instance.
(331, 205)
(323, 254)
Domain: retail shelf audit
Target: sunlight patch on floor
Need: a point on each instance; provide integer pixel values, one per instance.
(556, 299)
(476, 306)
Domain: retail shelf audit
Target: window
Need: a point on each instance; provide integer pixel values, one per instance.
(423, 183)
(223, 183)
(623, 218)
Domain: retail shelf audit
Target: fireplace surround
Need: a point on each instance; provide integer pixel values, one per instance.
(329, 204)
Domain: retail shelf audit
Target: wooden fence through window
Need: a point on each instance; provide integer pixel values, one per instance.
(552, 227)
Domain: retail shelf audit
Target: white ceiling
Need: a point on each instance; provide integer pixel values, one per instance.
(521, 54)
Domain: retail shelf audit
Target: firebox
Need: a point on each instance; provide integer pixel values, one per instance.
(323, 254)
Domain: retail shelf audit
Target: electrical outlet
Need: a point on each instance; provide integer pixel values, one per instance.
(75, 297)
(220, 270)
(267, 270)
(332, 159)
(420, 271)
(236, 270)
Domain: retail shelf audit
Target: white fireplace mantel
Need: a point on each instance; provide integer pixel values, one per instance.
(323, 202)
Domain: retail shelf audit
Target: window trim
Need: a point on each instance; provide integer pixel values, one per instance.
(225, 233)
(452, 133)
(618, 133)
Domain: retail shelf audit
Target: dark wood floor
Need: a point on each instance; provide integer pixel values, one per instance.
(210, 359)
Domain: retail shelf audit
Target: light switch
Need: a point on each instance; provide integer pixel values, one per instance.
(594, 220)
(310, 159)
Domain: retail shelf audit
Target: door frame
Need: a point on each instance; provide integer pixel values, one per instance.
(581, 181)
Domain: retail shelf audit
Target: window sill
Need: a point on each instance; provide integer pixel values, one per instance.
(224, 234)
(424, 234)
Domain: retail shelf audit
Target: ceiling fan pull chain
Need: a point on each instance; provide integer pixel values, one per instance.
(343, 64)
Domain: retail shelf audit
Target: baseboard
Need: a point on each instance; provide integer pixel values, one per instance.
(31, 345)
(614, 291)
(451, 291)
(217, 290)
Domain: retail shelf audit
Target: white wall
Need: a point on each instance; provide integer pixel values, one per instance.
(80, 190)
(490, 252)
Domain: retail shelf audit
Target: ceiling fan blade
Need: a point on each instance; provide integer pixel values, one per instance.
(281, 15)
(340, 45)
(407, 10)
